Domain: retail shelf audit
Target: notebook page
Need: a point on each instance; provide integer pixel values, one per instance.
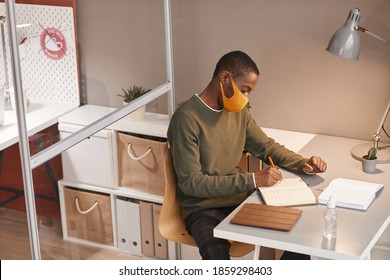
(292, 191)
(285, 197)
(290, 183)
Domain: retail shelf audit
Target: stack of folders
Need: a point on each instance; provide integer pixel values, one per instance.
(137, 228)
(350, 193)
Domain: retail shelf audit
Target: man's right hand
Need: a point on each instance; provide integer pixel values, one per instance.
(268, 177)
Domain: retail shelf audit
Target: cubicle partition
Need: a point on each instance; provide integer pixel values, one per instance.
(42, 64)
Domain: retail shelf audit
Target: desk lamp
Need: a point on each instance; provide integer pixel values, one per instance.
(346, 43)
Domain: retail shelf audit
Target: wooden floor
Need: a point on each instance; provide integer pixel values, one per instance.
(15, 244)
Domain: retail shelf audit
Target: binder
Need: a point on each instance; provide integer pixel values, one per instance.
(160, 243)
(267, 216)
(147, 235)
(128, 225)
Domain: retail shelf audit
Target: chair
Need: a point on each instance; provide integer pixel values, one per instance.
(171, 221)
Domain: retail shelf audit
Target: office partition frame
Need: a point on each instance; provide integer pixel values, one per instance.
(29, 163)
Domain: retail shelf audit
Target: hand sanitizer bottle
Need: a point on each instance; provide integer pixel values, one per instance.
(330, 219)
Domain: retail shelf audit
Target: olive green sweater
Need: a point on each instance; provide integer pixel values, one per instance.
(207, 145)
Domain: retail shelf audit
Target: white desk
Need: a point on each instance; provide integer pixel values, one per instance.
(357, 231)
(292, 140)
(39, 116)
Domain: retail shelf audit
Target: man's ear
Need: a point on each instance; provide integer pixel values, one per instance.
(223, 76)
(225, 79)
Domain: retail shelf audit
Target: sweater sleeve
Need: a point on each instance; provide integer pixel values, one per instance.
(183, 137)
(262, 146)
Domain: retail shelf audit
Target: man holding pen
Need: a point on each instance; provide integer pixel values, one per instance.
(207, 135)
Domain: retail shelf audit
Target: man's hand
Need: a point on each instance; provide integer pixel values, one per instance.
(315, 165)
(268, 177)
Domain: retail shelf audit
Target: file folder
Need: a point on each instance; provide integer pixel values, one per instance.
(160, 243)
(128, 225)
(147, 235)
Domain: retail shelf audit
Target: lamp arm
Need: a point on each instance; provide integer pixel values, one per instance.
(362, 29)
(382, 123)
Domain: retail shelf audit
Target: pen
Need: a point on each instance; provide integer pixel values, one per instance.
(271, 161)
(273, 165)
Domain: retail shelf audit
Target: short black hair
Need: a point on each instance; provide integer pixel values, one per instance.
(236, 62)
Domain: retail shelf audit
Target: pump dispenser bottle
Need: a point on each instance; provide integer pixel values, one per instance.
(330, 219)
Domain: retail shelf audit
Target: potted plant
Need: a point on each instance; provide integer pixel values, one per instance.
(131, 94)
(369, 160)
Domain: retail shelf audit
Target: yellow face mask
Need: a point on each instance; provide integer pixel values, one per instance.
(237, 101)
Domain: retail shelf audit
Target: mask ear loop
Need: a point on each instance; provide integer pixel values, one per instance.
(233, 85)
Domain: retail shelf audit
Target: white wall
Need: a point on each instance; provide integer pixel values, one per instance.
(302, 86)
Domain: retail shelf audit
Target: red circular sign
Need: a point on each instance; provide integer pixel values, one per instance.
(53, 43)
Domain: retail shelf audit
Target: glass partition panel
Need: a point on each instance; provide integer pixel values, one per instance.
(14, 239)
(75, 65)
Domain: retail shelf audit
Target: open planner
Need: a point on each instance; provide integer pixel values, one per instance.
(288, 192)
(350, 193)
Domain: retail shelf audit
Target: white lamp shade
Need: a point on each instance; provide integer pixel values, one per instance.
(346, 41)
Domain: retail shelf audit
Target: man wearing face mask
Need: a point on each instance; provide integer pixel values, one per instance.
(207, 135)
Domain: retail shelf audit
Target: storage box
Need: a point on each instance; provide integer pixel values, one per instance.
(141, 162)
(90, 161)
(88, 216)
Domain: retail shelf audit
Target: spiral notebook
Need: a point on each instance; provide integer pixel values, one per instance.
(267, 216)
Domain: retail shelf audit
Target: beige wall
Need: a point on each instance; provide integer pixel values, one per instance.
(121, 43)
(302, 86)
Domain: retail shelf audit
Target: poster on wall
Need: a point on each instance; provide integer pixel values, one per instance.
(53, 42)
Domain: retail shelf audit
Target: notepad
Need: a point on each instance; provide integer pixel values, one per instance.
(350, 193)
(288, 192)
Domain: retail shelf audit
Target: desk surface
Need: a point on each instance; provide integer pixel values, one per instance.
(39, 116)
(357, 231)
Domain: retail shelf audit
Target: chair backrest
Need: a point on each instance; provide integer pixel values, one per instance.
(171, 222)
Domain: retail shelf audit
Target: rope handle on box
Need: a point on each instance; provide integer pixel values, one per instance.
(76, 200)
(133, 157)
